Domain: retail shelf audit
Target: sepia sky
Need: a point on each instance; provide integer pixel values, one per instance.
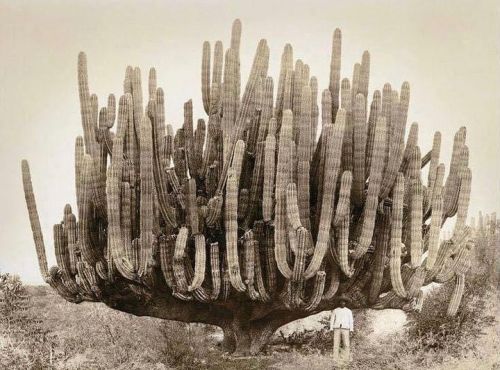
(449, 51)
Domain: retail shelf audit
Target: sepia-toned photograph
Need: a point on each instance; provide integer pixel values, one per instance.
(265, 184)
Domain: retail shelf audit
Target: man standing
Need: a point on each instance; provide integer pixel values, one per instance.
(341, 323)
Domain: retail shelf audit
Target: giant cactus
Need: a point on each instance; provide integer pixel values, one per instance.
(261, 216)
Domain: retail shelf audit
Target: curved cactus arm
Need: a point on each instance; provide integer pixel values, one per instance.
(62, 258)
(249, 256)
(359, 119)
(317, 294)
(179, 256)
(85, 215)
(332, 167)
(200, 262)
(344, 202)
(343, 247)
(34, 220)
(300, 255)
(416, 281)
(457, 294)
(396, 231)
(334, 280)
(231, 227)
(114, 199)
(370, 209)
(166, 245)
(383, 239)
(283, 176)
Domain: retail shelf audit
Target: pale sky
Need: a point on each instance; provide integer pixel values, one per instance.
(449, 51)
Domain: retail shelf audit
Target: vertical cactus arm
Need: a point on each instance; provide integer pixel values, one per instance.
(85, 106)
(370, 208)
(137, 99)
(146, 201)
(463, 199)
(355, 81)
(269, 176)
(334, 280)
(70, 226)
(375, 108)
(62, 255)
(114, 199)
(344, 203)
(343, 247)
(334, 85)
(215, 270)
(159, 175)
(178, 263)
(457, 294)
(79, 153)
(111, 111)
(416, 281)
(347, 146)
(166, 245)
(283, 177)
(434, 230)
(192, 207)
(411, 142)
(303, 185)
(313, 84)
(85, 214)
(205, 76)
(396, 139)
(332, 167)
(300, 255)
(285, 67)
(200, 262)
(259, 274)
(126, 219)
(434, 162)
(416, 249)
(453, 180)
(396, 232)
(360, 132)
(270, 262)
(317, 294)
(292, 208)
(249, 257)
(152, 83)
(364, 74)
(231, 227)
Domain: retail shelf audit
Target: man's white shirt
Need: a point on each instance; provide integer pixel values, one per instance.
(341, 318)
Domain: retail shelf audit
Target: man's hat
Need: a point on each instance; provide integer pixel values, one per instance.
(345, 299)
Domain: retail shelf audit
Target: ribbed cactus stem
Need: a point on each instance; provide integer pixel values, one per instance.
(334, 86)
(34, 220)
(457, 294)
(416, 248)
(332, 167)
(396, 232)
(146, 200)
(360, 132)
(371, 203)
(200, 261)
(231, 226)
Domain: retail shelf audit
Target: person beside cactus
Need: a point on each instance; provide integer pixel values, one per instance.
(342, 324)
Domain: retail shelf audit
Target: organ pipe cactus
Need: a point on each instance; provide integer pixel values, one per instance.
(264, 214)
